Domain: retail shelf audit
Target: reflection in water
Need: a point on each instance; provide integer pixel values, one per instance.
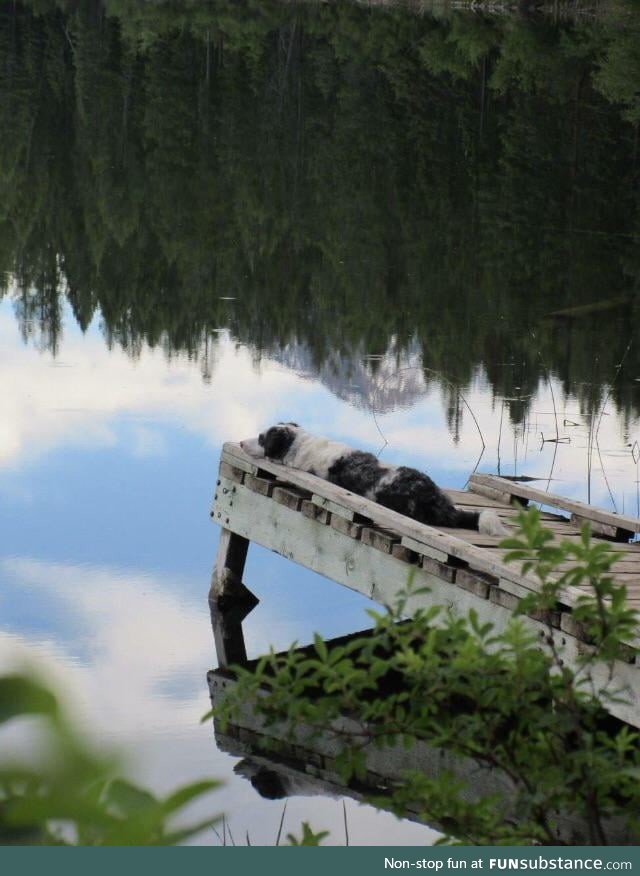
(183, 173)
(384, 382)
(323, 211)
(283, 761)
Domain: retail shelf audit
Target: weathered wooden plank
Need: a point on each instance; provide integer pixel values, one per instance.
(264, 486)
(235, 455)
(508, 513)
(514, 587)
(472, 536)
(226, 580)
(464, 498)
(623, 563)
(500, 495)
(561, 532)
(400, 552)
(313, 512)
(346, 527)
(322, 548)
(443, 570)
(605, 530)
(524, 491)
(474, 582)
(232, 472)
(380, 539)
(425, 550)
(289, 496)
(333, 507)
(624, 551)
(502, 597)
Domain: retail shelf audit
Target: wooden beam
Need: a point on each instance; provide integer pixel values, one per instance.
(226, 580)
(228, 636)
(581, 509)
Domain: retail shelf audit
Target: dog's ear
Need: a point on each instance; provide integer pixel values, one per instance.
(277, 440)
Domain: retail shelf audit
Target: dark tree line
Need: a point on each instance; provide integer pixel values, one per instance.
(347, 175)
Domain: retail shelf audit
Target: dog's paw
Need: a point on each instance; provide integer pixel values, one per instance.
(490, 524)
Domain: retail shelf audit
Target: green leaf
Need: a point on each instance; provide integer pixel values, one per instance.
(21, 696)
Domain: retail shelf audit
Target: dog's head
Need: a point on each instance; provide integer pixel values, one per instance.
(268, 783)
(274, 443)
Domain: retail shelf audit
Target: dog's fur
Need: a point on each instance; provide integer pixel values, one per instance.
(405, 490)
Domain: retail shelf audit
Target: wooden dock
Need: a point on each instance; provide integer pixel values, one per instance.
(375, 551)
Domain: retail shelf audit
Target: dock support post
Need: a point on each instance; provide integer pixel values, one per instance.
(226, 582)
(229, 600)
(227, 633)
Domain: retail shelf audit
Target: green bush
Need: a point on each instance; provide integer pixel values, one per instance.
(509, 700)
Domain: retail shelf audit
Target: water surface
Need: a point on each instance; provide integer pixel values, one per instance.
(413, 231)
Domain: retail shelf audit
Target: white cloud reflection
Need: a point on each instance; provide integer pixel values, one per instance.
(131, 659)
(44, 406)
(130, 648)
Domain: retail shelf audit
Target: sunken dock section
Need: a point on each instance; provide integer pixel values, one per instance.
(376, 551)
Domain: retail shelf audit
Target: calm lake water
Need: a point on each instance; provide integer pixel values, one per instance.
(214, 216)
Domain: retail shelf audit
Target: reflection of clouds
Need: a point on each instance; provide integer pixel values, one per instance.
(90, 402)
(144, 644)
(43, 406)
(132, 667)
(133, 634)
(131, 648)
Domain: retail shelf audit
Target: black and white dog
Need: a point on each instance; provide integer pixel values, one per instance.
(405, 490)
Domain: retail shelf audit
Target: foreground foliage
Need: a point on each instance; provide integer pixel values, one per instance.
(510, 700)
(71, 795)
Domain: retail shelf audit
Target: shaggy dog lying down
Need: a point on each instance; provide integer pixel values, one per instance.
(405, 490)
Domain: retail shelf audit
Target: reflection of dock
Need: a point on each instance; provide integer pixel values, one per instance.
(279, 764)
(375, 551)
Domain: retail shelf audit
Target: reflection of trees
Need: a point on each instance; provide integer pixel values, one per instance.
(348, 176)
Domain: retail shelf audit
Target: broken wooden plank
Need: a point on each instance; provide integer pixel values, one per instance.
(606, 530)
(520, 490)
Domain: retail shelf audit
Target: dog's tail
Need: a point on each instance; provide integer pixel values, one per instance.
(486, 522)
